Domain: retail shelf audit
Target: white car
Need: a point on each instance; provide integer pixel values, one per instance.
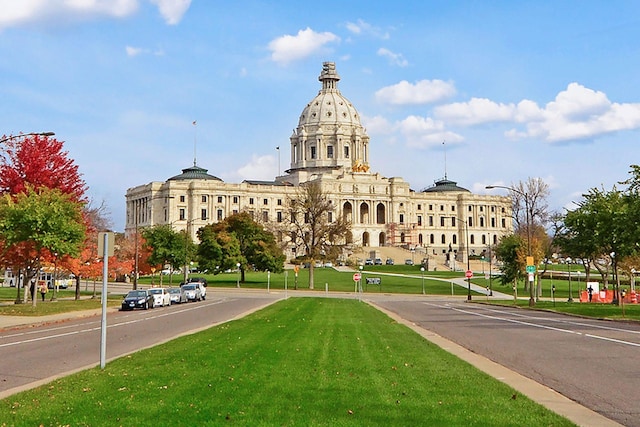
(160, 296)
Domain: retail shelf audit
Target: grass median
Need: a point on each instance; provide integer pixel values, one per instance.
(303, 361)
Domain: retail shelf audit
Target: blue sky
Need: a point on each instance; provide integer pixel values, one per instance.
(517, 89)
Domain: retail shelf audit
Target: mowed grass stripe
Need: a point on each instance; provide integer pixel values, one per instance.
(300, 362)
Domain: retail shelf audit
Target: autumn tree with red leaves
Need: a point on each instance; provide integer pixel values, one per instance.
(32, 165)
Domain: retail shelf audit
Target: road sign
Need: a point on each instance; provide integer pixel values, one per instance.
(468, 274)
(531, 268)
(356, 277)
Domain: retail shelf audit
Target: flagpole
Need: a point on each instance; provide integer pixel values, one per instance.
(278, 148)
(195, 139)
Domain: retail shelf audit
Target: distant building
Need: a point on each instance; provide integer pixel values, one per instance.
(331, 146)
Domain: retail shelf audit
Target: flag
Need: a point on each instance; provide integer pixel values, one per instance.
(278, 148)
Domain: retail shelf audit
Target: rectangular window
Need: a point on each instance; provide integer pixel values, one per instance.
(235, 199)
(430, 207)
(441, 207)
(313, 152)
(219, 199)
(330, 152)
(441, 221)
(346, 151)
(453, 208)
(279, 216)
(419, 207)
(204, 199)
(265, 216)
(401, 218)
(419, 220)
(329, 216)
(265, 201)
(203, 214)
(453, 221)
(469, 222)
(279, 202)
(235, 211)
(181, 214)
(181, 199)
(430, 221)
(219, 214)
(250, 200)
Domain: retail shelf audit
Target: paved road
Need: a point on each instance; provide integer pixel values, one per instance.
(592, 362)
(36, 355)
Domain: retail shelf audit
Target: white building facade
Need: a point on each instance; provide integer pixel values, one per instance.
(330, 146)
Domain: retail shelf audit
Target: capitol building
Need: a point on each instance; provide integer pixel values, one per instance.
(329, 145)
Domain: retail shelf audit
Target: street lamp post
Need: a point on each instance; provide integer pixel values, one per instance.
(568, 261)
(422, 272)
(532, 301)
(238, 281)
(466, 229)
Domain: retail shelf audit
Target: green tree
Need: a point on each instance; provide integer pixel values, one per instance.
(238, 239)
(46, 221)
(508, 252)
(165, 246)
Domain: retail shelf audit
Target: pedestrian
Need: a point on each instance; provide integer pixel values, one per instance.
(32, 289)
(43, 289)
(590, 289)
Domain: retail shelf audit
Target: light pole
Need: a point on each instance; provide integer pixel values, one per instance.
(422, 272)
(568, 261)
(532, 301)
(238, 281)
(466, 229)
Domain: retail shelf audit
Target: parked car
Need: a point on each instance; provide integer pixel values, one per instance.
(408, 262)
(191, 292)
(328, 264)
(198, 280)
(137, 299)
(176, 296)
(389, 261)
(368, 261)
(160, 296)
(202, 284)
(377, 261)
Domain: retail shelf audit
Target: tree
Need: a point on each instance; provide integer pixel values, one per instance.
(38, 161)
(45, 222)
(238, 239)
(507, 251)
(315, 226)
(165, 246)
(31, 164)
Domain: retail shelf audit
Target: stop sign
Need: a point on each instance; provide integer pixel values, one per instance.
(356, 277)
(468, 274)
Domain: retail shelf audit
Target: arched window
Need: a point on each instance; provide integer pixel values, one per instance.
(364, 213)
(380, 214)
(347, 211)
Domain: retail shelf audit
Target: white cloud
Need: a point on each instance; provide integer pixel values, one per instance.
(289, 48)
(377, 125)
(475, 111)
(263, 168)
(364, 28)
(422, 92)
(421, 132)
(394, 58)
(172, 10)
(19, 12)
(582, 113)
(133, 51)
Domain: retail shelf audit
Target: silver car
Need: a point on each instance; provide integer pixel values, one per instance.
(191, 292)
(176, 296)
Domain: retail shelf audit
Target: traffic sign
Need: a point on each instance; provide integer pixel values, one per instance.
(468, 274)
(356, 277)
(531, 268)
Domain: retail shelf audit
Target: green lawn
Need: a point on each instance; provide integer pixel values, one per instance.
(303, 361)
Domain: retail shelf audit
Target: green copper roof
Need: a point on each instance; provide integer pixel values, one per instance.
(445, 185)
(194, 172)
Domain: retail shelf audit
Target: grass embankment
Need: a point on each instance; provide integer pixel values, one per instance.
(595, 310)
(303, 361)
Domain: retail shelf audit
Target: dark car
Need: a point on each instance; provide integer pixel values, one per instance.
(198, 280)
(389, 261)
(137, 299)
